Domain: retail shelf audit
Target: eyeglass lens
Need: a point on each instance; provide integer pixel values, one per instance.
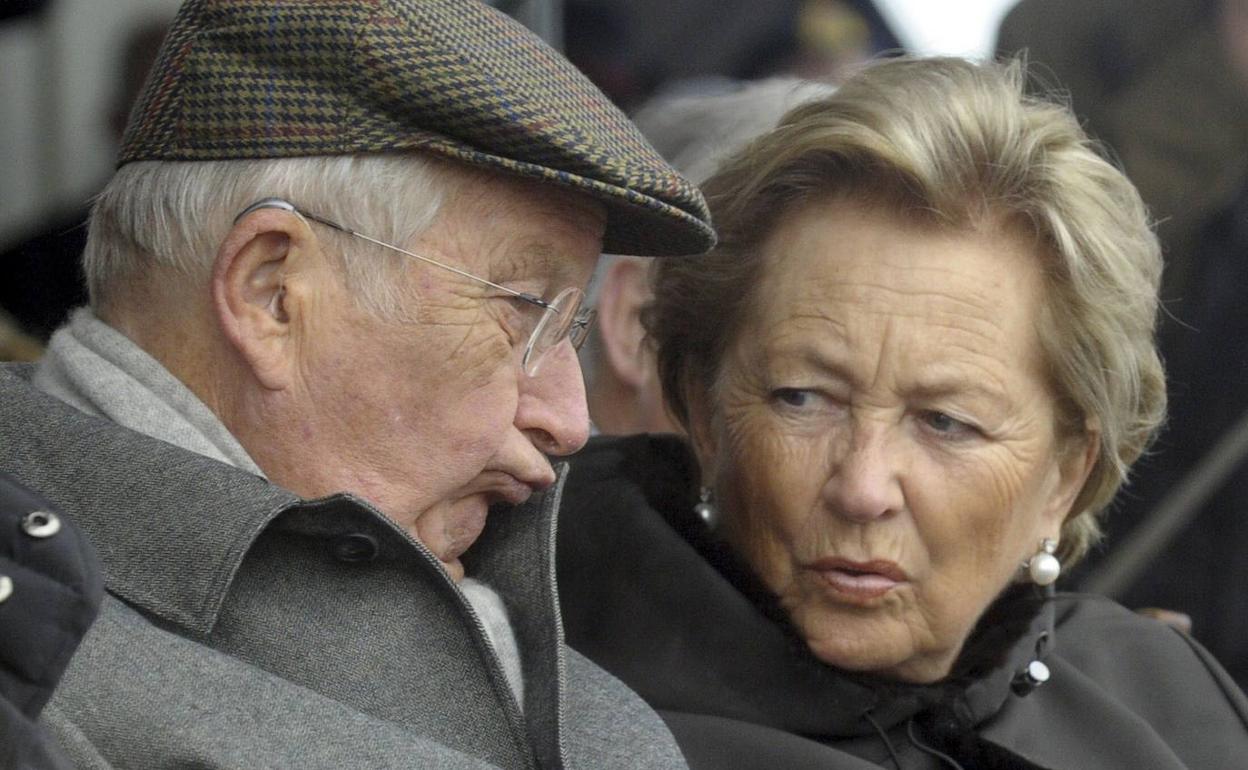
(562, 320)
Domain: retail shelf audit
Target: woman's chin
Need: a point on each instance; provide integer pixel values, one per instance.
(871, 647)
(854, 655)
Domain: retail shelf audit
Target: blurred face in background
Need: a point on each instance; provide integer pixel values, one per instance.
(883, 441)
(621, 373)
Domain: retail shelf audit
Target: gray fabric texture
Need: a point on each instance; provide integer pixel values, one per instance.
(493, 614)
(236, 604)
(254, 718)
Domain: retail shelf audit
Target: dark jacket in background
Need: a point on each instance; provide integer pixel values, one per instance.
(651, 597)
(52, 591)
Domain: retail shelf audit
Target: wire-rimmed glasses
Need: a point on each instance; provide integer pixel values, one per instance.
(562, 318)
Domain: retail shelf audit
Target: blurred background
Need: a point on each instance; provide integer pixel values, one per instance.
(1163, 83)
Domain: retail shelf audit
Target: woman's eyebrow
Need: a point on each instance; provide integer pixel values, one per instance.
(814, 355)
(945, 385)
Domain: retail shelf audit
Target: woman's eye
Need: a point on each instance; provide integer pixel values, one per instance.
(946, 425)
(798, 398)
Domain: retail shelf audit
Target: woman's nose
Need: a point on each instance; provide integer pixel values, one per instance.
(865, 483)
(552, 411)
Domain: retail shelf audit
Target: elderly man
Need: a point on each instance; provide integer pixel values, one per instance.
(336, 289)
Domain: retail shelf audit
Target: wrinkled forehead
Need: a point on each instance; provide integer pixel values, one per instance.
(526, 224)
(851, 265)
(506, 192)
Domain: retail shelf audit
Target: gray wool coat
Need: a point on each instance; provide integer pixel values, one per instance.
(245, 627)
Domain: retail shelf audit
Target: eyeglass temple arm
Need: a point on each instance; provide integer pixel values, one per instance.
(285, 205)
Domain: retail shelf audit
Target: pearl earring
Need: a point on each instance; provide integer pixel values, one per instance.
(705, 509)
(1044, 567)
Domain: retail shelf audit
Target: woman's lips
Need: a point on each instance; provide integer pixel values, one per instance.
(859, 580)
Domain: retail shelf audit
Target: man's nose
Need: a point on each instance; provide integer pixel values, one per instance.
(552, 411)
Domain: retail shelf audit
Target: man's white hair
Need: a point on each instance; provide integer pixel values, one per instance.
(175, 215)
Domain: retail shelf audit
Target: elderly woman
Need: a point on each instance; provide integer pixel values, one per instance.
(915, 369)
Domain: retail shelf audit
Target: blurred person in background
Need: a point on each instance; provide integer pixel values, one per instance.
(309, 418)
(693, 132)
(829, 39)
(1165, 84)
(637, 51)
(916, 368)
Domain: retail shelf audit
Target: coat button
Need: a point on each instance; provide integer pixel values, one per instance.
(6, 587)
(355, 547)
(41, 524)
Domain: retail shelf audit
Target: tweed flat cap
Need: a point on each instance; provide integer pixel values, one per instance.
(282, 78)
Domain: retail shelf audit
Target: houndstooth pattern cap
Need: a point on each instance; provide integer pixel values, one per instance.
(281, 78)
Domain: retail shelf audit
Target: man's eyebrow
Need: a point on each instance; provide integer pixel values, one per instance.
(542, 259)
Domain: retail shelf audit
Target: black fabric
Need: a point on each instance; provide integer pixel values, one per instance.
(12, 9)
(56, 593)
(648, 595)
(41, 277)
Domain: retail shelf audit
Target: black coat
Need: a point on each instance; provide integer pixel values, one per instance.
(650, 596)
(50, 591)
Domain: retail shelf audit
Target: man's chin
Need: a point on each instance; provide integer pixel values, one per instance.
(452, 528)
(454, 568)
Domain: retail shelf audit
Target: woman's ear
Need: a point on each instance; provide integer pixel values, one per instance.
(250, 295)
(1074, 466)
(624, 291)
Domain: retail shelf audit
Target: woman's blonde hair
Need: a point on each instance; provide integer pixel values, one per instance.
(958, 145)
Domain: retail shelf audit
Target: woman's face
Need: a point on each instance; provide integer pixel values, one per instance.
(883, 440)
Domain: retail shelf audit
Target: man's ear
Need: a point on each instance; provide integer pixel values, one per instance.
(625, 289)
(249, 290)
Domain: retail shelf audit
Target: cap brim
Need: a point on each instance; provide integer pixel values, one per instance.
(637, 224)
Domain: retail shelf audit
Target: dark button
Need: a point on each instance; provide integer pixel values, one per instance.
(355, 547)
(1032, 676)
